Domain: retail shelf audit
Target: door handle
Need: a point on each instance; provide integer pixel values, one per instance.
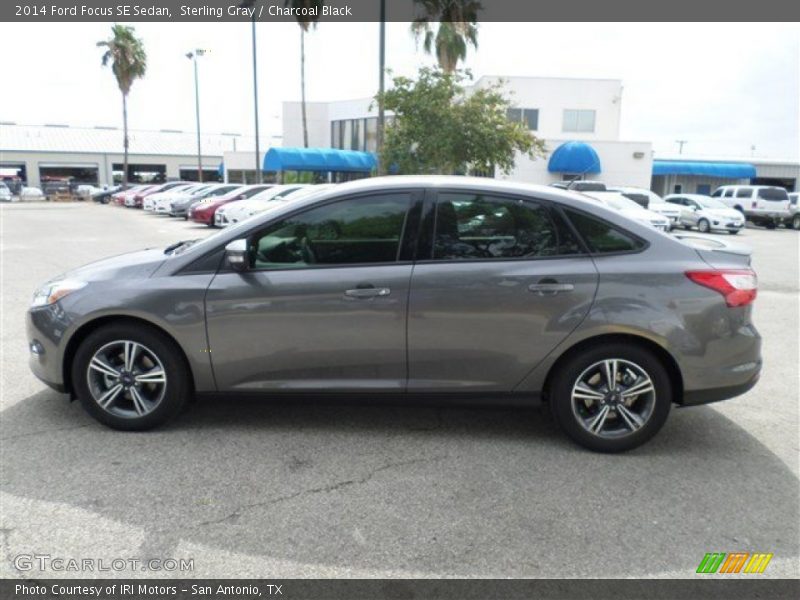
(550, 288)
(367, 292)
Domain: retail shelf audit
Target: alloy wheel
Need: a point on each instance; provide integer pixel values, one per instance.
(126, 379)
(613, 398)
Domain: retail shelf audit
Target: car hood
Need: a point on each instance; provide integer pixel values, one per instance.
(643, 215)
(725, 213)
(664, 209)
(132, 265)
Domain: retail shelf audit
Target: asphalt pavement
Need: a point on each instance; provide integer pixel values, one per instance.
(298, 489)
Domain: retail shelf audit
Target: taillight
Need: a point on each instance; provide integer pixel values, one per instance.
(738, 287)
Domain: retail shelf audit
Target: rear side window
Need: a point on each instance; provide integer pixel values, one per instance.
(472, 226)
(777, 194)
(602, 237)
(744, 193)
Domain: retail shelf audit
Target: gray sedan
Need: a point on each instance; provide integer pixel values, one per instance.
(443, 287)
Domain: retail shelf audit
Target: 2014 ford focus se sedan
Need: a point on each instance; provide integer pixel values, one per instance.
(447, 287)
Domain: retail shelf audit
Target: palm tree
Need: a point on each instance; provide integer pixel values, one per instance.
(458, 28)
(128, 63)
(306, 21)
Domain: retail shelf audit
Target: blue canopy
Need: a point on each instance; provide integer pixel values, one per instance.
(724, 170)
(318, 159)
(574, 157)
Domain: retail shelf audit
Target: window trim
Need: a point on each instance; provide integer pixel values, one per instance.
(428, 228)
(415, 200)
(577, 120)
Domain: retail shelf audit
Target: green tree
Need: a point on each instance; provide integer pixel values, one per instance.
(306, 21)
(128, 61)
(458, 28)
(438, 128)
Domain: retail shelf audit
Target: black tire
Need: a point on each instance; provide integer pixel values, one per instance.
(733, 231)
(178, 387)
(771, 225)
(568, 374)
(703, 226)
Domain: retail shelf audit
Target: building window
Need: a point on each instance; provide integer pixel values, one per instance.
(579, 121)
(356, 134)
(528, 116)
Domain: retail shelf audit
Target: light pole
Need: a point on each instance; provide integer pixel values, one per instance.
(255, 103)
(381, 87)
(193, 57)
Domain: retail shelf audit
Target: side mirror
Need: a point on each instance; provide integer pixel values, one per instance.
(236, 255)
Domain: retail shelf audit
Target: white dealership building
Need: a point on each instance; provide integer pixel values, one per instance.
(559, 110)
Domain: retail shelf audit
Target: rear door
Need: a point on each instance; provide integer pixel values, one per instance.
(499, 281)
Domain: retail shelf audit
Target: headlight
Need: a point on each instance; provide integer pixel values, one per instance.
(53, 292)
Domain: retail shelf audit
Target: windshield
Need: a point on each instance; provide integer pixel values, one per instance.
(710, 203)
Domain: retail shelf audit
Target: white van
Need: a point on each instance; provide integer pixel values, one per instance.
(762, 204)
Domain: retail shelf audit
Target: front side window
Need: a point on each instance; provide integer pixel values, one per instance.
(602, 237)
(363, 230)
(716, 194)
(579, 120)
(472, 226)
(728, 193)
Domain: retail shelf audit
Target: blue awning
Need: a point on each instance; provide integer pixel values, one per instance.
(319, 159)
(724, 170)
(574, 157)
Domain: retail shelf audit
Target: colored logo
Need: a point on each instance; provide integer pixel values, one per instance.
(734, 562)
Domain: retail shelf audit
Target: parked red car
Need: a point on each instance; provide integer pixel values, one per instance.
(205, 211)
(138, 198)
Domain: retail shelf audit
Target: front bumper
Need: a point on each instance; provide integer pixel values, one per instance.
(45, 328)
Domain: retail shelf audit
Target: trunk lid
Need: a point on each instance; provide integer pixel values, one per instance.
(717, 253)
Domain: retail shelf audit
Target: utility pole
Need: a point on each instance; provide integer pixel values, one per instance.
(680, 145)
(193, 57)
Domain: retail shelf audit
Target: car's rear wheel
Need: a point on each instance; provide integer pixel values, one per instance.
(611, 397)
(703, 226)
(130, 377)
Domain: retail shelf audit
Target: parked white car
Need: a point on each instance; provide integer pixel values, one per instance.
(149, 202)
(706, 213)
(31, 194)
(651, 201)
(244, 209)
(631, 209)
(762, 204)
(794, 209)
(5, 193)
(163, 204)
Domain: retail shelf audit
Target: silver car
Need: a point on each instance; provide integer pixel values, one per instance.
(443, 287)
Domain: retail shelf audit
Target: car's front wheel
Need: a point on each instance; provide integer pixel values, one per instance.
(130, 377)
(703, 226)
(611, 397)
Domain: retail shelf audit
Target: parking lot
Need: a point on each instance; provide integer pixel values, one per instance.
(278, 489)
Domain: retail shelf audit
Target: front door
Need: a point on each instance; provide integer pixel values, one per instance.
(322, 306)
(506, 281)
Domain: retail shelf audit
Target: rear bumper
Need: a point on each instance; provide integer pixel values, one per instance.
(696, 397)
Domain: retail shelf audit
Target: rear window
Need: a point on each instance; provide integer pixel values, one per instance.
(602, 237)
(778, 194)
(588, 186)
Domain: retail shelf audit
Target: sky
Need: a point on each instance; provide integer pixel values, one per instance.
(727, 89)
